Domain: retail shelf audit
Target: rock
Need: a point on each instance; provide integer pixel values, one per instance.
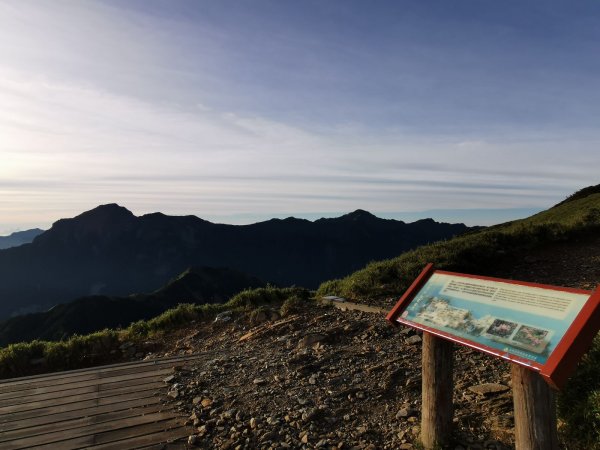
(311, 339)
(488, 389)
(125, 346)
(169, 378)
(193, 440)
(259, 381)
(174, 393)
(223, 317)
(405, 413)
(260, 317)
(229, 414)
(206, 402)
(413, 340)
(252, 423)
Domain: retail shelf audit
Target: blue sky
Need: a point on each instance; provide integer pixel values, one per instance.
(241, 110)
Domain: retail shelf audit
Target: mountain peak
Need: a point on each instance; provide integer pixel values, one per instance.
(108, 220)
(359, 215)
(109, 210)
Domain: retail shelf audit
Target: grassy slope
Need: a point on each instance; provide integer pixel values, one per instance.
(476, 252)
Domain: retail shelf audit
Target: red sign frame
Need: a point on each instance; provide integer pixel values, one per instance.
(563, 359)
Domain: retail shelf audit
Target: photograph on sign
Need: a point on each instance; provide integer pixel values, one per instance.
(519, 320)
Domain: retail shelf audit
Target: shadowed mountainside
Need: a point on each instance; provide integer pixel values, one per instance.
(109, 251)
(89, 314)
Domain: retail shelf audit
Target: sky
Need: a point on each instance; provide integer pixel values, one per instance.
(236, 111)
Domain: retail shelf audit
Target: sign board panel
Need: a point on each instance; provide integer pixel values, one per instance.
(546, 328)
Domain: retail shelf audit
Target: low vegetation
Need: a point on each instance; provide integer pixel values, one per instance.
(103, 346)
(579, 402)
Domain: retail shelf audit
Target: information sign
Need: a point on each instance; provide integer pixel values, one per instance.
(546, 328)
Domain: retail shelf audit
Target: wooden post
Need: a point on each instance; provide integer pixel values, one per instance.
(535, 412)
(437, 384)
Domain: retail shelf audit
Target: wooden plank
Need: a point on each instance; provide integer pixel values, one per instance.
(158, 374)
(104, 368)
(85, 412)
(111, 436)
(82, 390)
(92, 430)
(12, 383)
(179, 444)
(159, 441)
(74, 399)
(97, 385)
(88, 376)
(95, 392)
(24, 415)
(80, 422)
(108, 407)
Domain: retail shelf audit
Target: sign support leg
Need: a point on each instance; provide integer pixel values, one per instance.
(438, 386)
(535, 412)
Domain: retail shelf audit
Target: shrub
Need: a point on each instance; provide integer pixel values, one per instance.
(292, 305)
(579, 402)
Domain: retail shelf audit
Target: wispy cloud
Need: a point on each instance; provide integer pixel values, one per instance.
(193, 110)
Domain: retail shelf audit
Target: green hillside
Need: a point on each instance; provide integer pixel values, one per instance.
(477, 252)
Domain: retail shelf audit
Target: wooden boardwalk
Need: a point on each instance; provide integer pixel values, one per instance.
(111, 407)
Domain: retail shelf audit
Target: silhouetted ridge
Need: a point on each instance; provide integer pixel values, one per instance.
(19, 238)
(110, 251)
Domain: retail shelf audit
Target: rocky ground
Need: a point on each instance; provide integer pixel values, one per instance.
(337, 379)
(327, 378)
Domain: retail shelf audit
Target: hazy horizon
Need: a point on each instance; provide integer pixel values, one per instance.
(232, 109)
(483, 217)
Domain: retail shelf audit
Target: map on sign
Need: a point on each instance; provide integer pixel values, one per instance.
(520, 320)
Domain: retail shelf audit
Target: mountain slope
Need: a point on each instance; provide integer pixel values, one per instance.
(89, 314)
(19, 238)
(483, 252)
(109, 251)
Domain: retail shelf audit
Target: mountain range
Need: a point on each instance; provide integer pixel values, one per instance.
(109, 251)
(19, 238)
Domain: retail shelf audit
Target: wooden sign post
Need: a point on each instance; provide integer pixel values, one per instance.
(535, 411)
(438, 386)
(542, 330)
